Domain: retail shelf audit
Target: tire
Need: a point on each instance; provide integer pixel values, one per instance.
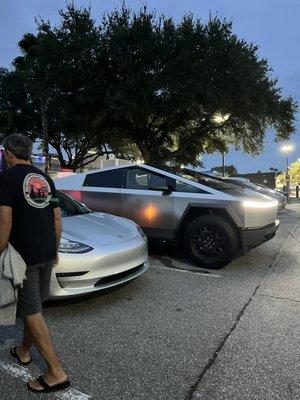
(211, 241)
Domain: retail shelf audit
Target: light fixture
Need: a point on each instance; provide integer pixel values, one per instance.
(286, 148)
(259, 204)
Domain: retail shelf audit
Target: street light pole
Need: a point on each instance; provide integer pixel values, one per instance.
(219, 119)
(223, 164)
(286, 149)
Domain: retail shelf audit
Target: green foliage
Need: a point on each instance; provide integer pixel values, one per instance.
(167, 81)
(280, 180)
(145, 86)
(17, 109)
(295, 173)
(58, 80)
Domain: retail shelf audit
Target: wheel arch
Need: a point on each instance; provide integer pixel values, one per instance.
(195, 210)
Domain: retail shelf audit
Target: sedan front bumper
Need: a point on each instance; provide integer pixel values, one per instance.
(254, 237)
(102, 268)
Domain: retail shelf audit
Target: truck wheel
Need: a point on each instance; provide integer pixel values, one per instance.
(211, 241)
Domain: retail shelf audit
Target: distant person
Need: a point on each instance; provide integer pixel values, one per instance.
(32, 225)
(2, 161)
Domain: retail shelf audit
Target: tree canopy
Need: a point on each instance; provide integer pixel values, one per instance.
(57, 80)
(294, 172)
(144, 86)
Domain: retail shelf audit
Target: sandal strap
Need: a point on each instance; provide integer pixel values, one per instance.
(42, 382)
(13, 352)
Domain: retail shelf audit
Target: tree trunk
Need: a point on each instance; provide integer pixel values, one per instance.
(44, 109)
(59, 155)
(145, 152)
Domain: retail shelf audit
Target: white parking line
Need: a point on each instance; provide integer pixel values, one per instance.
(16, 370)
(25, 375)
(189, 271)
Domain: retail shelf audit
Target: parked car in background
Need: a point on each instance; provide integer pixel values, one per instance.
(213, 219)
(97, 251)
(274, 194)
(284, 192)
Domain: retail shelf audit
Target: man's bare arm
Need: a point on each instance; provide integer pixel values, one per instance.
(57, 226)
(5, 226)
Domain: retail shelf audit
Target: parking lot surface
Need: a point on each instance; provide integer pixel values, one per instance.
(180, 332)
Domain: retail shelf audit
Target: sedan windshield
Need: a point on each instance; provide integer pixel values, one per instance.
(70, 207)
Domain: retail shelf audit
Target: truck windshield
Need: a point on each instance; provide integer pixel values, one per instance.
(210, 181)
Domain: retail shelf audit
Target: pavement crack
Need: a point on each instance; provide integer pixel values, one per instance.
(213, 358)
(279, 297)
(295, 238)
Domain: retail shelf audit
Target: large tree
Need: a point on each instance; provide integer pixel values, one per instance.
(57, 78)
(177, 90)
(17, 110)
(142, 86)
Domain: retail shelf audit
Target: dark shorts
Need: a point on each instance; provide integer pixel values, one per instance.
(35, 289)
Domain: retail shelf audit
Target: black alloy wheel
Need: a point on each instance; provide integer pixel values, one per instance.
(211, 241)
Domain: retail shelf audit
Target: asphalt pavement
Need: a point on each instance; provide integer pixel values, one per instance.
(180, 332)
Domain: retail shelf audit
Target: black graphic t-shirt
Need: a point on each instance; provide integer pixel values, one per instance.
(32, 196)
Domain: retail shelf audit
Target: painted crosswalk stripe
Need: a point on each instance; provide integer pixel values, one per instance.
(25, 375)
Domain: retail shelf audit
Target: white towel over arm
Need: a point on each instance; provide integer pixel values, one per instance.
(12, 275)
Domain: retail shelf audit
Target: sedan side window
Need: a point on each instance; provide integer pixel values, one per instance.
(143, 180)
(111, 179)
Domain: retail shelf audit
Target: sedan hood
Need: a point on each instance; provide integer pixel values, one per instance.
(98, 229)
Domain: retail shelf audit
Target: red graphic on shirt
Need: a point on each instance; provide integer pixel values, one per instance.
(37, 190)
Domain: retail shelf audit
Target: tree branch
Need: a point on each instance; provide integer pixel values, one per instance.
(90, 161)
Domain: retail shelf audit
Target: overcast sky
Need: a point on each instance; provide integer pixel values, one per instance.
(272, 24)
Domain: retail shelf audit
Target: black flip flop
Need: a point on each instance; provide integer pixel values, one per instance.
(13, 352)
(47, 388)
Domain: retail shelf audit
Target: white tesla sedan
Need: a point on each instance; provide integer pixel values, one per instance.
(97, 251)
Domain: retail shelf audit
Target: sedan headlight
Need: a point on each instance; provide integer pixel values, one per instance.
(70, 246)
(260, 204)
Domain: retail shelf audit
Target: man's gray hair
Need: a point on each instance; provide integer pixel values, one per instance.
(19, 145)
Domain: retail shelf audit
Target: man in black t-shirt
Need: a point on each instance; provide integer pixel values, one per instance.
(30, 221)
